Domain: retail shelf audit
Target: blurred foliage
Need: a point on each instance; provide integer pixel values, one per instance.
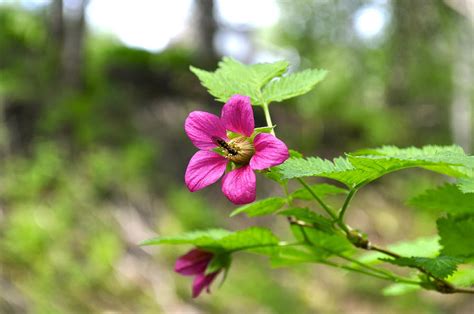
(115, 148)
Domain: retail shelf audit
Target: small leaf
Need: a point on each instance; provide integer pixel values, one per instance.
(264, 129)
(457, 235)
(260, 208)
(441, 266)
(292, 85)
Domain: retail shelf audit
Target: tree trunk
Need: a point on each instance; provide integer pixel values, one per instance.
(72, 51)
(206, 28)
(461, 107)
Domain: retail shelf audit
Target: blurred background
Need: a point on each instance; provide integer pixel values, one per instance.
(93, 96)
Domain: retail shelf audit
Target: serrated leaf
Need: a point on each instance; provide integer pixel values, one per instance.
(233, 77)
(292, 85)
(204, 238)
(262, 207)
(456, 235)
(340, 169)
(359, 169)
(424, 247)
(449, 160)
(305, 214)
(321, 190)
(255, 239)
(447, 198)
(466, 185)
(440, 267)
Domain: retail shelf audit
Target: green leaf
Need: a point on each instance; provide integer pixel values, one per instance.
(456, 235)
(292, 85)
(233, 77)
(218, 262)
(447, 198)
(466, 185)
(204, 238)
(322, 190)
(255, 238)
(264, 129)
(262, 207)
(304, 214)
(340, 169)
(463, 277)
(365, 166)
(328, 243)
(441, 266)
(291, 255)
(295, 154)
(424, 246)
(448, 160)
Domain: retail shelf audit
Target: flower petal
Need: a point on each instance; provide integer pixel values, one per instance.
(239, 185)
(204, 168)
(203, 281)
(202, 126)
(192, 263)
(237, 115)
(269, 152)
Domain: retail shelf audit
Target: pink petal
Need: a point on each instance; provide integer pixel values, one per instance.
(204, 168)
(237, 115)
(201, 127)
(239, 185)
(192, 263)
(269, 152)
(203, 281)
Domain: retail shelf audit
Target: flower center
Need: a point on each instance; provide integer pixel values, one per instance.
(238, 150)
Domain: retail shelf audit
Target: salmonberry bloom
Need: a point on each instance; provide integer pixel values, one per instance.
(218, 148)
(194, 263)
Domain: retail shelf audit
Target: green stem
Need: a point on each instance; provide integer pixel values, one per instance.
(324, 206)
(391, 275)
(357, 270)
(268, 118)
(346, 204)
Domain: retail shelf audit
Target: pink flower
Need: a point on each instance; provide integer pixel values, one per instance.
(194, 263)
(245, 154)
